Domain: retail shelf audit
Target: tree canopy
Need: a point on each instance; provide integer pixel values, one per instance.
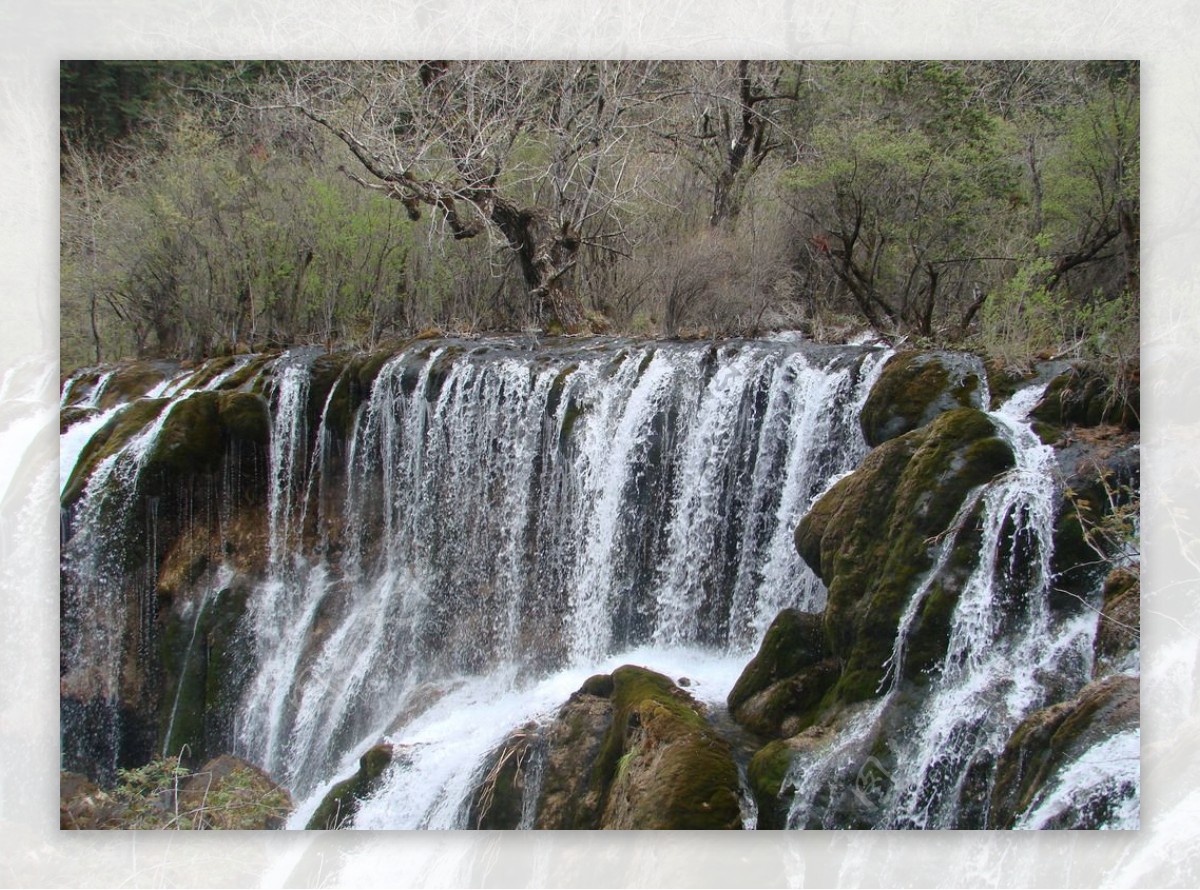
(216, 206)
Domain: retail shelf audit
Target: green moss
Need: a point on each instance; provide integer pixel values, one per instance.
(326, 372)
(244, 417)
(338, 807)
(208, 371)
(912, 390)
(780, 691)
(110, 439)
(248, 372)
(869, 537)
(1048, 433)
(190, 439)
(633, 686)
(133, 381)
(766, 773)
(1047, 739)
(1088, 396)
(792, 704)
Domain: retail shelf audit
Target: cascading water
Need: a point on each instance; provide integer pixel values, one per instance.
(1007, 655)
(453, 542)
(511, 516)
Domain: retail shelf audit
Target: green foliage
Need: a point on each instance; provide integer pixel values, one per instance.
(993, 204)
(156, 796)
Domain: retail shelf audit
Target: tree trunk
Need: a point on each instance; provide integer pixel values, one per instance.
(548, 254)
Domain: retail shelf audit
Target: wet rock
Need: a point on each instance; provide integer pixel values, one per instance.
(132, 380)
(109, 440)
(1052, 737)
(1096, 522)
(914, 388)
(338, 807)
(1118, 635)
(641, 757)
(780, 689)
(870, 539)
(1088, 396)
(508, 777)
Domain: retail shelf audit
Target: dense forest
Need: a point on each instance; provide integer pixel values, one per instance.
(217, 207)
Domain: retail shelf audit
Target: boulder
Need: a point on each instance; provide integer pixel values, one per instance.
(338, 807)
(509, 776)
(1086, 395)
(641, 757)
(871, 540)
(914, 388)
(1049, 739)
(779, 690)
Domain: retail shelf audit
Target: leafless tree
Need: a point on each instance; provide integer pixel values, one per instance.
(535, 155)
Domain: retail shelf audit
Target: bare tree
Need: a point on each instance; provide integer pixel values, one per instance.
(531, 154)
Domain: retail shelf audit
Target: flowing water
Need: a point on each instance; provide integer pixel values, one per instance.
(499, 522)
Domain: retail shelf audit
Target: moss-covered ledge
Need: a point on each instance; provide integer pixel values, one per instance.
(871, 537)
(914, 388)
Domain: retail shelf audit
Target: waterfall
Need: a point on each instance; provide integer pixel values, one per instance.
(1007, 655)
(457, 535)
(507, 514)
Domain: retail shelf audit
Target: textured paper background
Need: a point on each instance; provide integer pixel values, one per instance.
(35, 34)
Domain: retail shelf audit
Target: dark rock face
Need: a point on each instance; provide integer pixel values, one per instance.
(916, 387)
(1101, 472)
(338, 807)
(1049, 738)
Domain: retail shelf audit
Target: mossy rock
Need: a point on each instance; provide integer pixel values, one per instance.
(190, 440)
(569, 797)
(778, 692)
(81, 384)
(790, 705)
(498, 800)
(132, 381)
(795, 640)
(205, 667)
(68, 417)
(1119, 632)
(1099, 478)
(1004, 380)
(244, 418)
(929, 634)
(1088, 396)
(338, 807)
(108, 440)
(766, 772)
(870, 536)
(208, 372)
(914, 388)
(1052, 737)
(248, 373)
(640, 755)
(673, 775)
(324, 375)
